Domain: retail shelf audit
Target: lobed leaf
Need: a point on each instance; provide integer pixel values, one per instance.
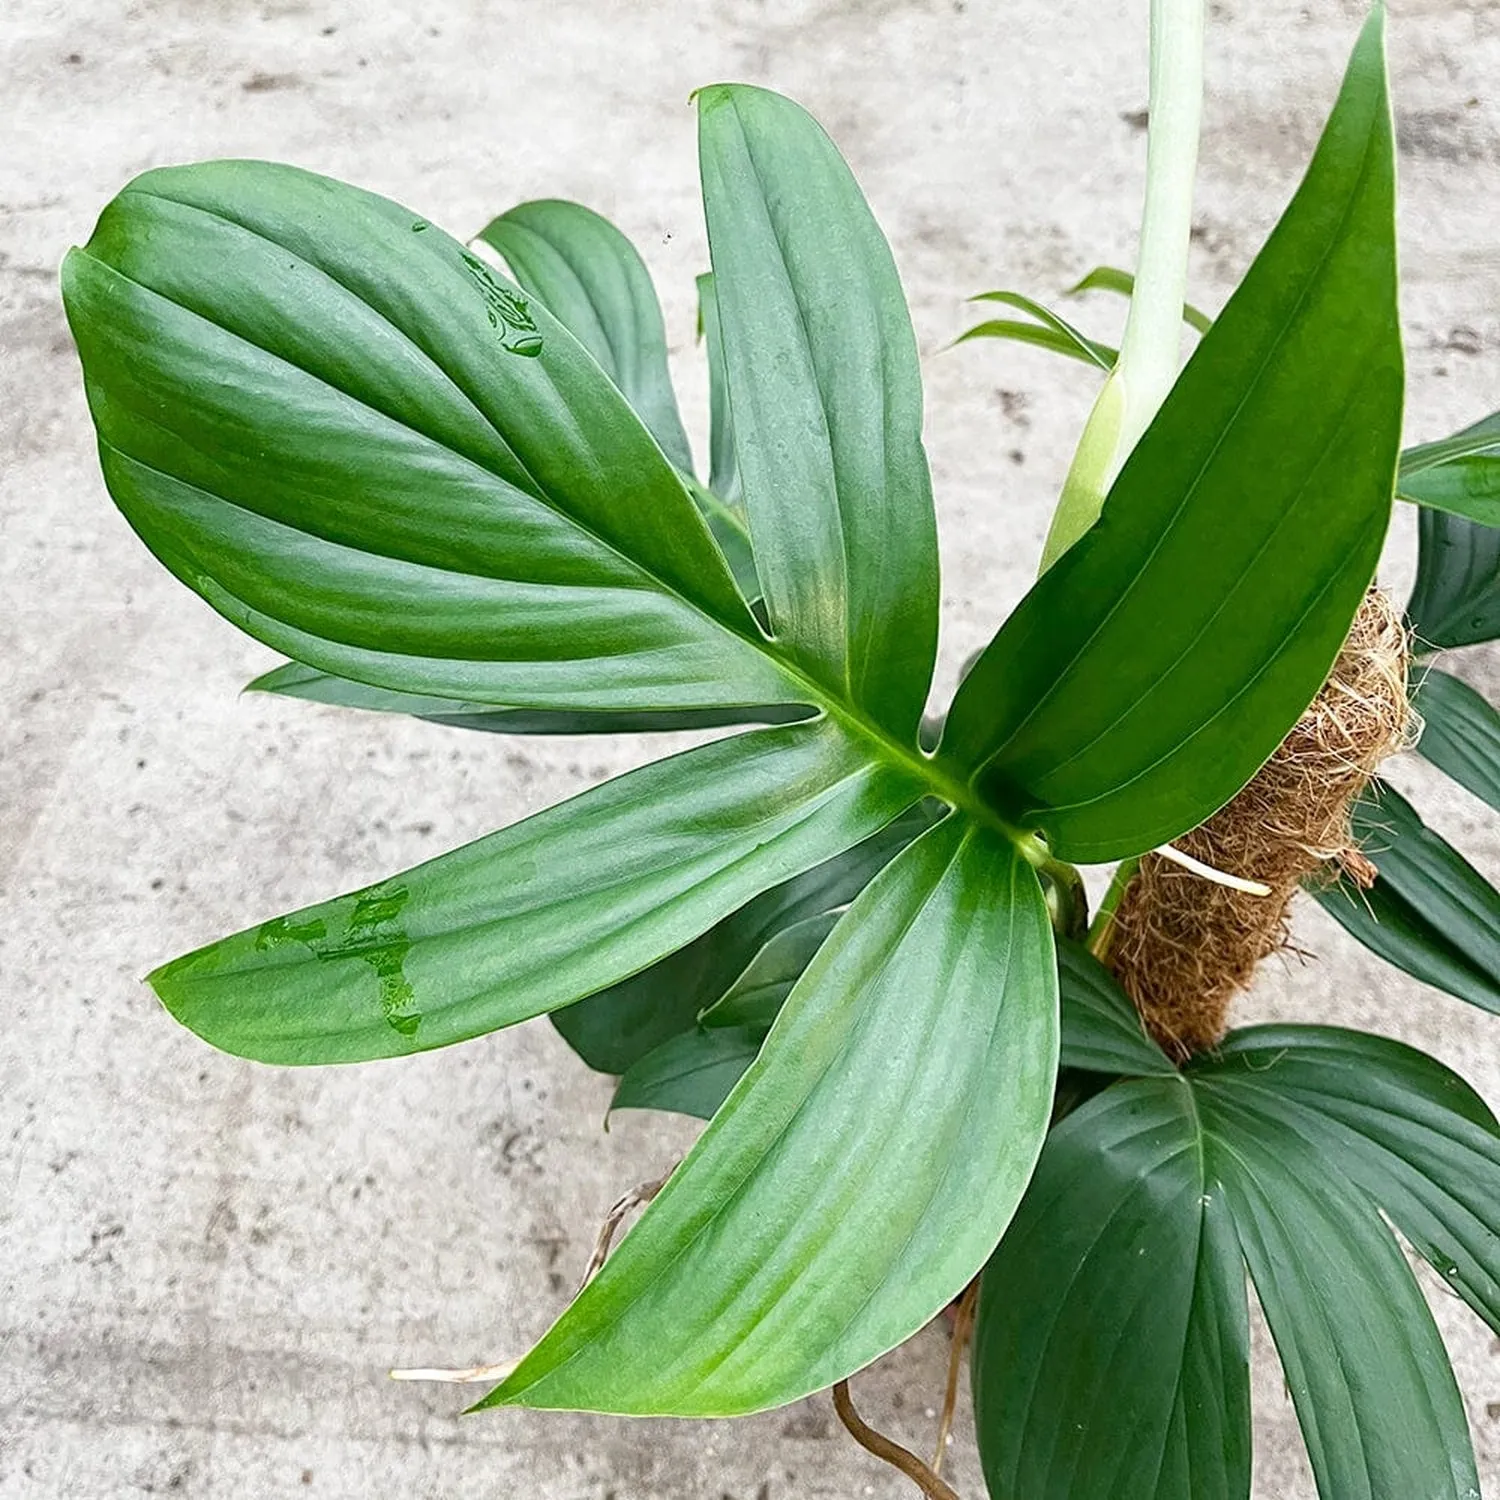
(1111, 1348)
(1060, 335)
(1150, 672)
(1413, 1134)
(319, 412)
(859, 1173)
(1375, 1395)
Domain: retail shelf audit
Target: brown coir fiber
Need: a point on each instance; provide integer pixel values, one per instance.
(1180, 944)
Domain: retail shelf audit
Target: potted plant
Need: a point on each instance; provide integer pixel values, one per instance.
(452, 481)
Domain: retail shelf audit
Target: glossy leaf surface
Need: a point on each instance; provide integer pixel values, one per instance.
(1460, 733)
(1152, 670)
(294, 680)
(1111, 1348)
(860, 1172)
(1375, 1395)
(826, 403)
(1101, 1029)
(1430, 912)
(1460, 474)
(1416, 1137)
(544, 912)
(593, 281)
(363, 446)
(611, 1030)
(1455, 600)
(1110, 1356)
(691, 1073)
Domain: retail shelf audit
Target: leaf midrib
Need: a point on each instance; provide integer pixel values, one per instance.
(933, 771)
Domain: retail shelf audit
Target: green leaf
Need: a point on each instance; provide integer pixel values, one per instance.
(1101, 1029)
(1113, 279)
(1043, 338)
(690, 1073)
(1153, 669)
(539, 914)
(756, 997)
(1413, 1134)
(826, 401)
(615, 1028)
(593, 281)
(1456, 598)
(295, 680)
(1064, 338)
(1430, 912)
(1460, 474)
(860, 1172)
(1111, 1351)
(1460, 733)
(367, 449)
(1480, 439)
(1374, 1392)
(723, 468)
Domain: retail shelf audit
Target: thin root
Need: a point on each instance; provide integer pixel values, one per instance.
(963, 1327)
(637, 1197)
(472, 1376)
(887, 1450)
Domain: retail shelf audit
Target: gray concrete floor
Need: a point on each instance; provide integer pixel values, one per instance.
(205, 1265)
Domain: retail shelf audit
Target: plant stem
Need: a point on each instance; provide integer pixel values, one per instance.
(1104, 921)
(1147, 366)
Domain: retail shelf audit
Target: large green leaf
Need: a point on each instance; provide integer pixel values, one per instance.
(539, 914)
(1110, 1355)
(1374, 1392)
(1460, 474)
(319, 412)
(592, 280)
(1416, 1137)
(613, 1029)
(860, 1172)
(1455, 600)
(294, 680)
(1101, 1029)
(1460, 733)
(1153, 669)
(1430, 912)
(826, 401)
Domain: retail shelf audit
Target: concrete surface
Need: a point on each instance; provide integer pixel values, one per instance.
(205, 1266)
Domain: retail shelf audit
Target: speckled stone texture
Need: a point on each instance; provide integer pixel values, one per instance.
(205, 1265)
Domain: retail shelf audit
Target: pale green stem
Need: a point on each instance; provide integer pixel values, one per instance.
(1149, 351)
